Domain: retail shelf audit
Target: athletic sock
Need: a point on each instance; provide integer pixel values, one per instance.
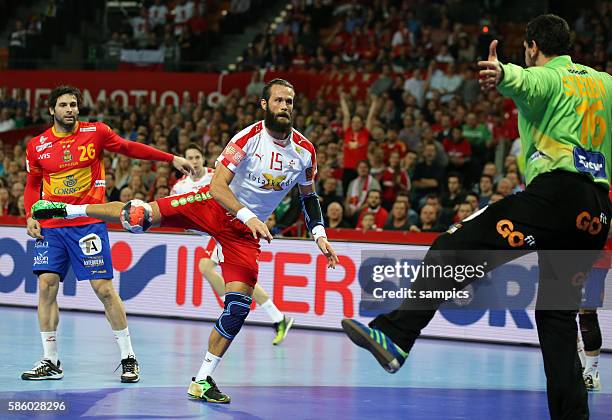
(273, 312)
(124, 342)
(581, 353)
(74, 210)
(592, 363)
(209, 364)
(49, 342)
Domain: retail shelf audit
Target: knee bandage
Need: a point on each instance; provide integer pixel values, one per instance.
(237, 308)
(591, 334)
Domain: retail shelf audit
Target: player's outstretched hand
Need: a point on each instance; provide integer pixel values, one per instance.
(490, 71)
(33, 228)
(183, 165)
(328, 251)
(259, 229)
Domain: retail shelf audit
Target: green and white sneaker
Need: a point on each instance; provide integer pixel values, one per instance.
(208, 391)
(44, 209)
(282, 328)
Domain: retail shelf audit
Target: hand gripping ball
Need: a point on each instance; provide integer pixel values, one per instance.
(136, 216)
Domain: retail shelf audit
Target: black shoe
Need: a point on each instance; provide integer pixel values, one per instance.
(131, 371)
(43, 370)
(207, 390)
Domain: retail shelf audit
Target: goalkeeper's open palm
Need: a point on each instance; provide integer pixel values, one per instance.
(490, 70)
(328, 251)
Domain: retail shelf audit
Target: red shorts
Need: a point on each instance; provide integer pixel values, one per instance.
(198, 210)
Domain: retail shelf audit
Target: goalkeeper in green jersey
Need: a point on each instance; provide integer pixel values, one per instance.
(565, 117)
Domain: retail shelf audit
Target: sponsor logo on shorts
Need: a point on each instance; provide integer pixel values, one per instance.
(593, 163)
(190, 199)
(93, 261)
(515, 238)
(587, 223)
(43, 146)
(41, 244)
(91, 244)
(42, 258)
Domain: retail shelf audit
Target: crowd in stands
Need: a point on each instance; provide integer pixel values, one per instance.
(416, 153)
(185, 30)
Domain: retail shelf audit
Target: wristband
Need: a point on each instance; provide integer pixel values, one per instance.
(245, 214)
(318, 232)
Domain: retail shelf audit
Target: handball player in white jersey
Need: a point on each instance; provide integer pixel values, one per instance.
(256, 170)
(208, 265)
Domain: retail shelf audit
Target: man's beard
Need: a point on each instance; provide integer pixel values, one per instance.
(272, 123)
(65, 126)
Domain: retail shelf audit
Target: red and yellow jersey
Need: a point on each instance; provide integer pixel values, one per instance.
(69, 166)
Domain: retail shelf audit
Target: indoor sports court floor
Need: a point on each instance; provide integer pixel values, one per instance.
(313, 375)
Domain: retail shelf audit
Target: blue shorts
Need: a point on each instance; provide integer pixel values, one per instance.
(84, 248)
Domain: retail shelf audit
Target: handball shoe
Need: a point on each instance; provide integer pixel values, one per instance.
(44, 209)
(592, 381)
(208, 391)
(282, 328)
(131, 370)
(45, 369)
(386, 352)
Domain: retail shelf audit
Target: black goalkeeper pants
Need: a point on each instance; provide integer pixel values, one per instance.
(558, 212)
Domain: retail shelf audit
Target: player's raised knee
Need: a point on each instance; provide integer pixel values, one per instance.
(136, 216)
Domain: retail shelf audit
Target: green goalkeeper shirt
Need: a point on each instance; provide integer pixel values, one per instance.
(565, 117)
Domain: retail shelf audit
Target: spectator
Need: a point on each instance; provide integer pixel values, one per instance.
(358, 189)
(504, 187)
(428, 221)
(398, 218)
(126, 194)
(478, 135)
(415, 86)
(485, 188)
(329, 194)
(335, 218)
(356, 138)
(459, 152)
(157, 14)
(374, 207)
(454, 195)
(427, 174)
(112, 193)
(444, 83)
(393, 180)
(6, 122)
(368, 223)
(474, 200)
(495, 197)
(5, 201)
(464, 210)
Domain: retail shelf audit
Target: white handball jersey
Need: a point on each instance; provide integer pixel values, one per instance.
(266, 170)
(186, 184)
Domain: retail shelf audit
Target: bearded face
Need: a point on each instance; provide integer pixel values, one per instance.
(280, 121)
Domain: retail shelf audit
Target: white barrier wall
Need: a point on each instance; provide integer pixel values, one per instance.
(155, 275)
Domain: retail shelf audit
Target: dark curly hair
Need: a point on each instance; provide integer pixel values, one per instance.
(62, 90)
(551, 33)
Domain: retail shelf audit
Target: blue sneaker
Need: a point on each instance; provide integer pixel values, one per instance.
(386, 352)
